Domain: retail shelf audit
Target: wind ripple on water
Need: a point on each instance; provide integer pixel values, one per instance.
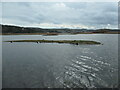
(84, 71)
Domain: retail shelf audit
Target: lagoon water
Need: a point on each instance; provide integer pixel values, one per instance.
(52, 65)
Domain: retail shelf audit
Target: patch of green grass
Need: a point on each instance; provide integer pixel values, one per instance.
(77, 42)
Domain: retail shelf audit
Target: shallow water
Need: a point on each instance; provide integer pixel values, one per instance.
(32, 65)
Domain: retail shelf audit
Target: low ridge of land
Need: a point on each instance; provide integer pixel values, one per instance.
(17, 30)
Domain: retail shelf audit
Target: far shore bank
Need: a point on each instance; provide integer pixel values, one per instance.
(53, 34)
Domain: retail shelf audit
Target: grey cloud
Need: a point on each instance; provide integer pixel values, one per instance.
(62, 13)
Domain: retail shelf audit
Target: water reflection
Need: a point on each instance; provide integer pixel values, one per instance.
(81, 74)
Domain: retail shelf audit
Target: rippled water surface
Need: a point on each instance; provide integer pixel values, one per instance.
(39, 65)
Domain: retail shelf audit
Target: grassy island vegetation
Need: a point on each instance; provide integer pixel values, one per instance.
(76, 42)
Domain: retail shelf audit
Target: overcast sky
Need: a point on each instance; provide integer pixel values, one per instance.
(61, 14)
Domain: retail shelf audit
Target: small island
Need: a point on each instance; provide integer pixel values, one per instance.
(75, 42)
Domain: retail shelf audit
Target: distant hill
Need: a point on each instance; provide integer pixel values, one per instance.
(17, 29)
